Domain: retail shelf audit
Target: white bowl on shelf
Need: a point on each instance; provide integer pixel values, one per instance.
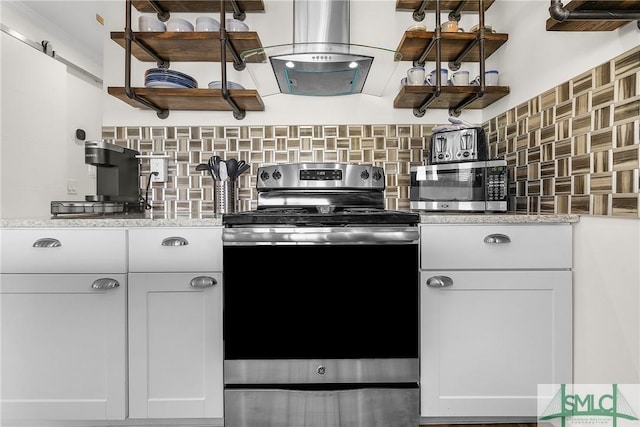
(150, 23)
(217, 84)
(207, 23)
(179, 24)
(235, 25)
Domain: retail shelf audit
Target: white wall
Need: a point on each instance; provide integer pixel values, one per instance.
(43, 103)
(606, 301)
(32, 115)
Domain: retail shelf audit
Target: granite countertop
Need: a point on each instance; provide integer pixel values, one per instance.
(216, 220)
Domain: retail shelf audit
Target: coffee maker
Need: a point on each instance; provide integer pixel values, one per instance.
(117, 182)
(117, 172)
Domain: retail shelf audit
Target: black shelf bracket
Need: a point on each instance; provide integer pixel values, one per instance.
(160, 62)
(435, 42)
(455, 14)
(420, 111)
(238, 63)
(455, 111)
(455, 64)
(162, 113)
(418, 14)
(237, 12)
(558, 12)
(163, 15)
(238, 113)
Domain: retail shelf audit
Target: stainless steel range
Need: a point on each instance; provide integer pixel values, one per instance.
(321, 303)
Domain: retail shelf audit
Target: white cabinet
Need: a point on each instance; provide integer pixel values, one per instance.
(496, 317)
(175, 323)
(62, 309)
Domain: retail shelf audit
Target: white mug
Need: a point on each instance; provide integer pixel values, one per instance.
(460, 78)
(491, 78)
(444, 76)
(415, 76)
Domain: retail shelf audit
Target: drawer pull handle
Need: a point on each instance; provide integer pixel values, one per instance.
(47, 242)
(497, 238)
(439, 281)
(105, 283)
(203, 282)
(175, 241)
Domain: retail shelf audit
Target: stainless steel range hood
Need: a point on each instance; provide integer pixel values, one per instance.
(321, 61)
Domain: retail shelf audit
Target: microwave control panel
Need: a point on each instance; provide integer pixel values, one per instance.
(496, 183)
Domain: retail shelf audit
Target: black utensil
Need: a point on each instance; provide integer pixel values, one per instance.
(232, 169)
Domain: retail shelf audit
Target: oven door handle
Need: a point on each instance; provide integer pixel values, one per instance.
(304, 235)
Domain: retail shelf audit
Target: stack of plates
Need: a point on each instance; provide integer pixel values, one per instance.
(217, 84)
(160, 77)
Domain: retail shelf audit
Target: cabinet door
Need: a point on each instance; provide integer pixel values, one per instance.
(63, 347)
(490, 337)
(175, 346)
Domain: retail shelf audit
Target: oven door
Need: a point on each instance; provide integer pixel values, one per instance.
(307, 293)
(321, 326)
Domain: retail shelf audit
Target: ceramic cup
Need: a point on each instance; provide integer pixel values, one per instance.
(450, 27)
(444, 76)
(491, 78)
(415, 76)
(460, 78)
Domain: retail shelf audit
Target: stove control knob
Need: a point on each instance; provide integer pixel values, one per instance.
(264, 175)
(364, 174)
(377, 176)
(276, 174)
(321, 370)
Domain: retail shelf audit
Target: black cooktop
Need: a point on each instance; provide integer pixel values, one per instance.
(320, 217)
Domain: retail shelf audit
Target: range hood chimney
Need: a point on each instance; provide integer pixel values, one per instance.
(321, 61)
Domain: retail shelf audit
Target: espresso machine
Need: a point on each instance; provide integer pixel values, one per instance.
(117, 182)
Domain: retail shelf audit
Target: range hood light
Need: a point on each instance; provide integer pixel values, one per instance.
(290, 64)
(353, 65)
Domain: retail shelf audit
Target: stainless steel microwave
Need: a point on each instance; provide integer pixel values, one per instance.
(460, 187)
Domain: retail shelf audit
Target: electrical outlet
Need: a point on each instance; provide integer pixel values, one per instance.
(72, 187)
(159, 166)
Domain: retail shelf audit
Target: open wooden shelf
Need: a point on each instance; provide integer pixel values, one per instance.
(191, 99)
(450, 96)
(194, 46)
(414, 42)
(593, 25)
(469, 6)
(198, 6)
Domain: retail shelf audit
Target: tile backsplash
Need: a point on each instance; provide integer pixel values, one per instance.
(189, 193)
(572, 149)
(575, 148)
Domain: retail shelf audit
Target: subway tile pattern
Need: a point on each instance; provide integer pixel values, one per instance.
(573, 149)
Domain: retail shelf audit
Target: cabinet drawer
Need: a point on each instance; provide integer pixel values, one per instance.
(501, 246)
(178, 249)
(60, 250)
